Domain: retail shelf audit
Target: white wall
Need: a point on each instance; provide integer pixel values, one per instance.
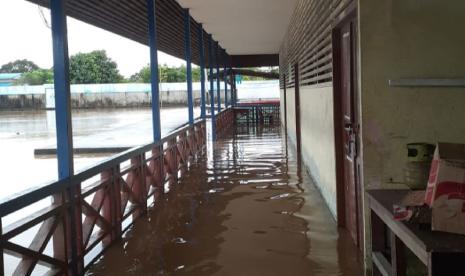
(407, 39)
(317, 131)
(318, 149)
(291, 114)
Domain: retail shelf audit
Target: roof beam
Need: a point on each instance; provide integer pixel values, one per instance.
(244, 61)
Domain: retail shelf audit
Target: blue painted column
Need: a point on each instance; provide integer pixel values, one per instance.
(202, 73)
(218, 82)
(225, 76)
(212, 88)
(64, 134)
(154, 80)
(234, 89)
(64, 129)
(231, 82)
(187, 39)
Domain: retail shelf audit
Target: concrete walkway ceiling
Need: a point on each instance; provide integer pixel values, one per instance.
(244, 27)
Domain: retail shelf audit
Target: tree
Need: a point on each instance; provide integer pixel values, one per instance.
(167, 74)
(196, 74)
(36, 77)
(172, 74)
(142, 76)
(19, 66)
(93, 67)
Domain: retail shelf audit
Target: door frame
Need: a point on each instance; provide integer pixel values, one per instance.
(349, 14)
(285, 102)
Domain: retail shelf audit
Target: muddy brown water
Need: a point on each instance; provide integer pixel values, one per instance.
(245, 208)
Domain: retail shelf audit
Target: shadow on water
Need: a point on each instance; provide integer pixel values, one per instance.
(247, 209)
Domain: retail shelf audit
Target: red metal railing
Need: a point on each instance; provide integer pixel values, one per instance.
(224, 120)
(95, 207)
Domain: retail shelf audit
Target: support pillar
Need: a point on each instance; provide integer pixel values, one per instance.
(154, 81)
(187, 36)
(64, 129)
(212, 88)
(231, 83)
(65, 245)
(202, 73)
(218, 83)
(234, 84)
(225, 76)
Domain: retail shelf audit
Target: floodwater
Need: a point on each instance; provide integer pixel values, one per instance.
(23, 131)
(246, 208)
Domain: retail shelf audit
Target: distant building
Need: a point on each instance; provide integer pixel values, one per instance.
(8, 79)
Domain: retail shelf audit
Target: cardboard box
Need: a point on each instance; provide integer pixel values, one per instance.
(445, 193)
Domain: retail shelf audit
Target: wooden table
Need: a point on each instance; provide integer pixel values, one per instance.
(442, 253)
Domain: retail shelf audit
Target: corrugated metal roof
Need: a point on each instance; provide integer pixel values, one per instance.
(129, 19)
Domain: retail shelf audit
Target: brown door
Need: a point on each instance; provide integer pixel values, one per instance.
(297, 110)
(350, 127)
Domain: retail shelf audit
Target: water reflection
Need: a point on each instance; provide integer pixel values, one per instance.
(247, 208)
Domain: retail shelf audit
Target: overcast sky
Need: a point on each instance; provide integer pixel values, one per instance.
(25, 35)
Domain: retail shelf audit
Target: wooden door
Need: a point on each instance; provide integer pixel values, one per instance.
(297, 110)
(350, 125)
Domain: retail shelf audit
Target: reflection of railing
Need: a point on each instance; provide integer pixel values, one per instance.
(94, 207)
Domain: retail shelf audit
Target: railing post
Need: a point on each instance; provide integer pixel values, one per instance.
(202, 73)
(108, 204)
(156, 171)
(143, 180)
(139, 185)
(212, 89)
(154, 81)
(187, 34)
(118, 213)
(218, 82)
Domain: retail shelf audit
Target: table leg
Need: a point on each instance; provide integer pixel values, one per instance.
(398, 261)
(378, 233)
(378, 239)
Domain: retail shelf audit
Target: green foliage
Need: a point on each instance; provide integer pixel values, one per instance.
(196, 74)
(167, 74)
(93, 67)
(36, 77)
(172, 74)
(19, 66)
(143, 76)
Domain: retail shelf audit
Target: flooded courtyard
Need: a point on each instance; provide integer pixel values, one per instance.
(244, 208)
(21, 132)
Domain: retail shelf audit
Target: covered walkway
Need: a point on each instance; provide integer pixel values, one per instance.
(245, 207)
